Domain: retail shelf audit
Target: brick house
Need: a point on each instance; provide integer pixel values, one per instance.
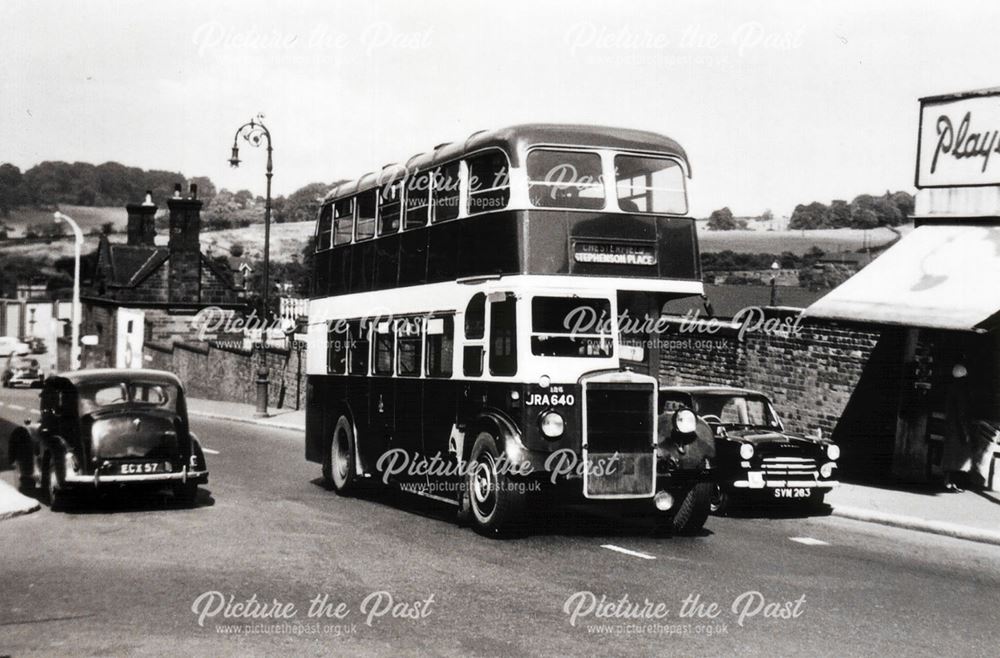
(142, 291)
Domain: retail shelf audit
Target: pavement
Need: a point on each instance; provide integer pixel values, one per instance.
(395, 575)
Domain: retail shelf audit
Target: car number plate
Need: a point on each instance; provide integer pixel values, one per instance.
(144, 468)
(792, 493)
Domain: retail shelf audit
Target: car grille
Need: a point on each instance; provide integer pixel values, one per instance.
(789, 467)
(619, 432)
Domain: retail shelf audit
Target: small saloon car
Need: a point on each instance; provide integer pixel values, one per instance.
(101, 429)
(755, 458)
(21, 371)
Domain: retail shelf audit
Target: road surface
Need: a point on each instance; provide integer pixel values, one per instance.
(399, 577)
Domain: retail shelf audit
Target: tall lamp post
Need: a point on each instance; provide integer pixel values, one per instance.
(255, 132)
(74, 349)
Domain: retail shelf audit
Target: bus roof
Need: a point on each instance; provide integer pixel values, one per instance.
(515, 139)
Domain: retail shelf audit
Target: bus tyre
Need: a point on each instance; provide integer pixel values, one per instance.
(338, 463)
(496, 507)
(691, 512)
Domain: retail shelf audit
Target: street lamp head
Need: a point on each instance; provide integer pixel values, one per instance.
(234, 161)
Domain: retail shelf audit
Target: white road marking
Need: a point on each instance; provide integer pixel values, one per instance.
(209, 451)
(809, 541)
(619, 549)
(35, 411)
(17, 406)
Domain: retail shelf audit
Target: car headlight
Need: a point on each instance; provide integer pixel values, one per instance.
(746, 451)
(685, 421)
(826, 470)
(551, 424)
(833, 451)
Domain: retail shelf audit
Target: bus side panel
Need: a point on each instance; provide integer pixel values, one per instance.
(440, 411)
(319, 416)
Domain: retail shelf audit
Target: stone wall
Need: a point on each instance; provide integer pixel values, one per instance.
(842, 379)
(227, 374)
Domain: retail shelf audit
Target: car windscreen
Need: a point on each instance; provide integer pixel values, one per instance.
(99, 395)
(737, 410)
(571, 326)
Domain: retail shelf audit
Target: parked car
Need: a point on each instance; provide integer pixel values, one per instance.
(11, 345)
(755, 458)
(102, 429)
(37, 345)
(21, 371)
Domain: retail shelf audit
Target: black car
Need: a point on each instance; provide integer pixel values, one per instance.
(755, 458)
(109, 428)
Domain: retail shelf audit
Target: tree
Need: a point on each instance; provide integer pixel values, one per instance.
(12, 193)
(236, 250)
(723, 220)
(839, 214)
(767, 215)
(813, 216)
(107, 228)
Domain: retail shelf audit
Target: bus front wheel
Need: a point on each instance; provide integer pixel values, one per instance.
(338, 464)
(495, 502)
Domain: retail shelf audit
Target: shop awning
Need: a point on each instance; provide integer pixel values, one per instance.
(945, 277)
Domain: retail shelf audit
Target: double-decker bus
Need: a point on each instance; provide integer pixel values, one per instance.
(465, 335)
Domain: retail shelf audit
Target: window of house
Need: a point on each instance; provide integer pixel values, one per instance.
(358, 343)
(324, 233)
(390, 207)
(418, 191)
(343, 221)
(365, 226)
(440, 345)
(489, 182)
(336, 347)
(409, 341)
(446, 192)
(383, 348)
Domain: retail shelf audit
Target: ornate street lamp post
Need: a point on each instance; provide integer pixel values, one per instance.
(255, 132)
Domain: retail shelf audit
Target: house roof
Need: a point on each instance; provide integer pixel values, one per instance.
(130, 265)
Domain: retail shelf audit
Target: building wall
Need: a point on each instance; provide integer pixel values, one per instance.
(841, 379)
(216, 373)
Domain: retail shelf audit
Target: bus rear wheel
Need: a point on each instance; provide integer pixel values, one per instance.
(338, 464)
(495, 503)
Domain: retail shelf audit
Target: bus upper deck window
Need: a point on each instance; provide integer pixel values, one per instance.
(366, 216)
(324, 233)
(390, 208)
(489, 182)
(418, 191)
(343, 221)
(565, 179)
(646, 184)
(446, 193)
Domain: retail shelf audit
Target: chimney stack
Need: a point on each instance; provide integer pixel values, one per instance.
(184, 245)
(141, 229)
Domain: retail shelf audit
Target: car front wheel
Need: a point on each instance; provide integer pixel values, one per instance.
(55, 489)
(691, 512)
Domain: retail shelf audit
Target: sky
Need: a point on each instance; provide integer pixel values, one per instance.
(777, 103)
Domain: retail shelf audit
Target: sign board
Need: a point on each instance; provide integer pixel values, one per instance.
(614, 254)
(959, 144)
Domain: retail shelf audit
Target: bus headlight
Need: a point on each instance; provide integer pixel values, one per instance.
(685, 421)
(833, 452)
(544, 381)
(551, 424)
(746, 451)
